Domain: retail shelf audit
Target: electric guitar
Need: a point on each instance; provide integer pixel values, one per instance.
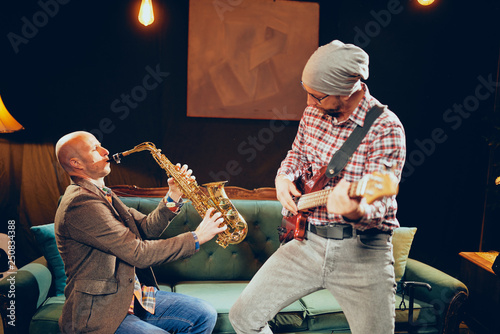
(372, 187)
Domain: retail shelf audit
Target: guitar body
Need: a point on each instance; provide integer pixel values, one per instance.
(295, 226)
(371, 187)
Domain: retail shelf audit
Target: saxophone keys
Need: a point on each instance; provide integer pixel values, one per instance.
(231, 214)
(225, 204)
(240, 232)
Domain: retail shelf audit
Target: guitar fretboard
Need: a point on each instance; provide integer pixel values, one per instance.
(312, 200)
(320, 198)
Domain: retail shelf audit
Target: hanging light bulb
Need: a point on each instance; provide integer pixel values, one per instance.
(146, 15)
(425, 2)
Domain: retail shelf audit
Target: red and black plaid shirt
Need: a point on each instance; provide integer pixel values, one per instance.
(319, 136)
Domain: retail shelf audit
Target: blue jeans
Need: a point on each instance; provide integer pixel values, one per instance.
(359, 273)
(174, 313)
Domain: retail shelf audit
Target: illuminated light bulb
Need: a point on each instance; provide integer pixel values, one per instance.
(425, 2)
(146, 15)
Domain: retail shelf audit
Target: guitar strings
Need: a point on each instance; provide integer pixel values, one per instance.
(313, 199)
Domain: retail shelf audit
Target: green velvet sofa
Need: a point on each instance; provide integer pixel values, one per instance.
(219, 275)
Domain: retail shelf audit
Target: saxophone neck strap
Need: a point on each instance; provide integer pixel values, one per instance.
(341, 157)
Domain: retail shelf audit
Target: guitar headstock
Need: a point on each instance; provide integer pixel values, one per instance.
(376, 186)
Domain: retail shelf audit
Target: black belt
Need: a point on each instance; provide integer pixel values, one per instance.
(342, 231)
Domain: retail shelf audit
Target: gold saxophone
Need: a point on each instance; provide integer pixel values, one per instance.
(237, 228)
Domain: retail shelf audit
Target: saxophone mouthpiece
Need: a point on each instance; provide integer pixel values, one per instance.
(116, 158)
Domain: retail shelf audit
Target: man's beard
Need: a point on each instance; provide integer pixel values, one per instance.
(333, 112)
(337, 111)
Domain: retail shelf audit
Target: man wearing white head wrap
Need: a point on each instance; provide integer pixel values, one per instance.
(347, 246)
(336, 69)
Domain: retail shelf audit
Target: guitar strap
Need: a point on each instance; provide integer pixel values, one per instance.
(341, 157)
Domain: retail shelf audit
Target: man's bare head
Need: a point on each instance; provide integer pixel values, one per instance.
(67, 148)
(81, 154)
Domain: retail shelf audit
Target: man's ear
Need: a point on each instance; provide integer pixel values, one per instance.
(344, 98)
(75, 163)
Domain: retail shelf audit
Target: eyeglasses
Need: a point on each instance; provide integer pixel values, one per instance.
(314, 97)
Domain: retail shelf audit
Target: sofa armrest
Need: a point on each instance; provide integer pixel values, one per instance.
(21, 293)
(447, 296)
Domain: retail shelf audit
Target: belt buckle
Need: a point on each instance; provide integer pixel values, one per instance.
(335, 232)
(344, 231)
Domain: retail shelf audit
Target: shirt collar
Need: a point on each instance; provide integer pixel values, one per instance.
(366, 103)
(105, 190)
(88, 184)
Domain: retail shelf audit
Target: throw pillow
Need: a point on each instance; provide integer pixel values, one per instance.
(46, 239)
(401, 243)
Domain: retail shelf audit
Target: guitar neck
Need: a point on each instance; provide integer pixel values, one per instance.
(319, 198)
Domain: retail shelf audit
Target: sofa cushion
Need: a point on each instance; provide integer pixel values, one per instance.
(222, 296)
(401, 242)
(42, 276)
(46, 240)
(142, 204)
(324, 312)
(237, 261)
(47, 316)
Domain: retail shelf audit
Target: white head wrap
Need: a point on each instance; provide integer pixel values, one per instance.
(336, 69)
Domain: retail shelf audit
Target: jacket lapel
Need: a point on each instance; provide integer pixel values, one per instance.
(116, 205)
(124, 214)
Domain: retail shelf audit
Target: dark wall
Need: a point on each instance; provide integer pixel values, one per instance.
(435, 67)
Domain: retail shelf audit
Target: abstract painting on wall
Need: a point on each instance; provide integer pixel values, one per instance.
(245, 57)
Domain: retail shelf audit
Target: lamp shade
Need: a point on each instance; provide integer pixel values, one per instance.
(7, 122)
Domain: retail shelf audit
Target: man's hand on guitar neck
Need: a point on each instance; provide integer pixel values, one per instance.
(284, 191)
(341, 203)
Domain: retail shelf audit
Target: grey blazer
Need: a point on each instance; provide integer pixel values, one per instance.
(102, 245)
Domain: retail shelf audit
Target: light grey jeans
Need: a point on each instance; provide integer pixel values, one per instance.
(359, 272)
